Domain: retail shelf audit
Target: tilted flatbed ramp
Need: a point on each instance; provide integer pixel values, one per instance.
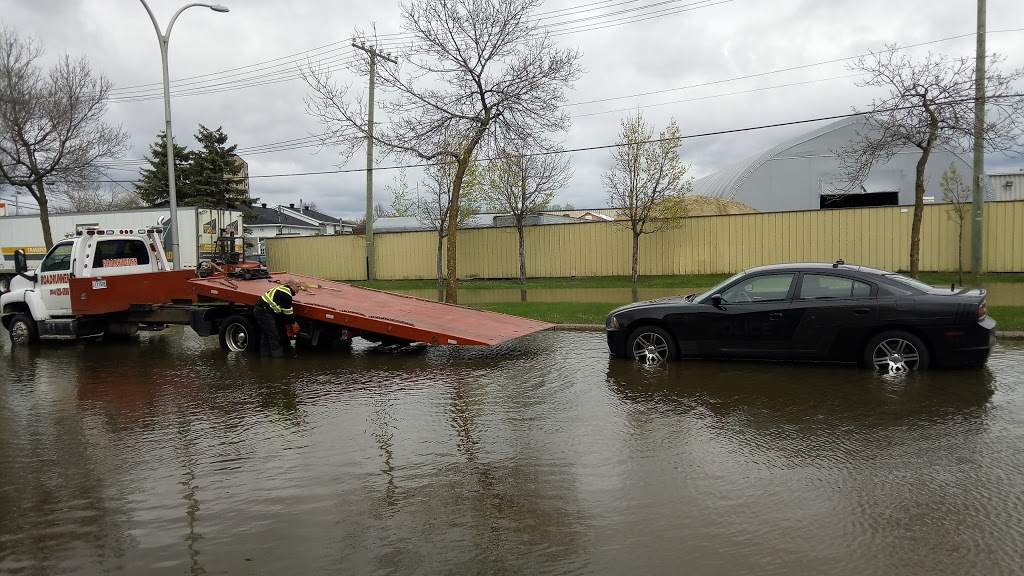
(396, 315)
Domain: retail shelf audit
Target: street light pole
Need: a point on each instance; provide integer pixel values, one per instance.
(165, 38)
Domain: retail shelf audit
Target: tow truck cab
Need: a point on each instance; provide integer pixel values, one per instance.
(39, 304)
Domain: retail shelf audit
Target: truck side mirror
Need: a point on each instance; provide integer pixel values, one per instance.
(20, 261)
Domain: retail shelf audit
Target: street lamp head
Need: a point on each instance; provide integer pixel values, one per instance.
(219, 8)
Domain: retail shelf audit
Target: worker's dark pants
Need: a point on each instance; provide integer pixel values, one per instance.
(270, 338)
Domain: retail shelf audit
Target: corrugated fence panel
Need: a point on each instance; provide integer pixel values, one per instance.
(329, 257)
(406, 256)
(877, 237)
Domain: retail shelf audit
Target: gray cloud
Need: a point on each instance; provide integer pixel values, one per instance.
(729, 40)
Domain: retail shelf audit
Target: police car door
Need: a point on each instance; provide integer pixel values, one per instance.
(55, 279)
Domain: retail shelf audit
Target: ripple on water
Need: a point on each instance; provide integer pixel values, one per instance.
(165, 455)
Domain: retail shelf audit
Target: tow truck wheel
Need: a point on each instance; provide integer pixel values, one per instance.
(5, 282)
(23, 330)
(238, 334)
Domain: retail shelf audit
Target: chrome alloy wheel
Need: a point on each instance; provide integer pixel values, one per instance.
(650, 348)
(20, 333)
(237, 338)
(896, 356)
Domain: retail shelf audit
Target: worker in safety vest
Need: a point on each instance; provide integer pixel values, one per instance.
(272, 310)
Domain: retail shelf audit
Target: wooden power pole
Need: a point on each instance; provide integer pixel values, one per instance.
(978, 203)
(371, 273)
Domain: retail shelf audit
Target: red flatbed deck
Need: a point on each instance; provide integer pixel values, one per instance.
(377, 311)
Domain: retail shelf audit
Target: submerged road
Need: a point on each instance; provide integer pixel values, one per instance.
(542, 455)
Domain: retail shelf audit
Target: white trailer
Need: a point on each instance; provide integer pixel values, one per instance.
(197, 227)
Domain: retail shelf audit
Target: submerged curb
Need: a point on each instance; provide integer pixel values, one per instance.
(1001, 334)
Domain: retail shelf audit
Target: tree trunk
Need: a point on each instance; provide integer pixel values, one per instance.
(44, 213)
(915, 230)
(636, 257)
(522, 252)
(440, 250)
(451, 288)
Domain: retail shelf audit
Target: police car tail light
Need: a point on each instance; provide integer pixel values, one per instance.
(982, 309)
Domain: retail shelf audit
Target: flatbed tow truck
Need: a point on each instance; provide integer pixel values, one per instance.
(117, 282)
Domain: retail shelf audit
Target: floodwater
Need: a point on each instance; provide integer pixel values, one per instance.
(539, 456)
(1005, 294)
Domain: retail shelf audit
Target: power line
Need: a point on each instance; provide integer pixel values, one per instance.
(391, 39)
(713, 96)
(341, 61)
(260, 149)
(778, 70)
(619, 144)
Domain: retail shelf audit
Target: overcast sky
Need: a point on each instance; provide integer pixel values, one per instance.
(247, 63)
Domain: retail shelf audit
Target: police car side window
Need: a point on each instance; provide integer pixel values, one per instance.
(769, 288)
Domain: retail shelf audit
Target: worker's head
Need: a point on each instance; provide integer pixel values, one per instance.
(292, 285)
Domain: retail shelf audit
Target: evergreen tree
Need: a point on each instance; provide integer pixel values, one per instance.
(152, 187)
(210, 169)
(203, 176)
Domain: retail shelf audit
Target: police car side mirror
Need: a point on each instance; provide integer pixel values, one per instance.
(20, 262)
(716, 300)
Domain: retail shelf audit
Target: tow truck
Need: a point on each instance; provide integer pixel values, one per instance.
(113, 283)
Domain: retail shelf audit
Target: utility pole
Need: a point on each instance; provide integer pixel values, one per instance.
(371, 273)
(978, 204)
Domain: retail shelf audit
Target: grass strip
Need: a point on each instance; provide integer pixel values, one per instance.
(1007, 317)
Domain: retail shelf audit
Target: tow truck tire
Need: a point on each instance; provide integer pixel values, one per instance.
(23, 330)
(5, 283)
(238, 333)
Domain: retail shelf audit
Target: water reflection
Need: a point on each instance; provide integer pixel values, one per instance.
(541, 455)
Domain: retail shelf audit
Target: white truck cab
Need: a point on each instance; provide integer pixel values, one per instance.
(38, 304)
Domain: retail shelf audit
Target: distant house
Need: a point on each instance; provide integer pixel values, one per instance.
(487, 220)
(272, 222)
(328, 225)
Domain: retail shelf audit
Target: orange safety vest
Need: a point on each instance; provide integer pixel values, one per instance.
(269, 299)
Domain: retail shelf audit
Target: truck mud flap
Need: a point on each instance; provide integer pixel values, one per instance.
(201, 321)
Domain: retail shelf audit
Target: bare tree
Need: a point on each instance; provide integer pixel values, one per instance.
(647, 182)
(433, 210)
(522, 184)
(402, 202)
(930, 105)
(478, 73)
(959, 196)
(92, 197)
(51, 123)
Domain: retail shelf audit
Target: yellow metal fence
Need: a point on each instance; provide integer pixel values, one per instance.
(877, 237)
